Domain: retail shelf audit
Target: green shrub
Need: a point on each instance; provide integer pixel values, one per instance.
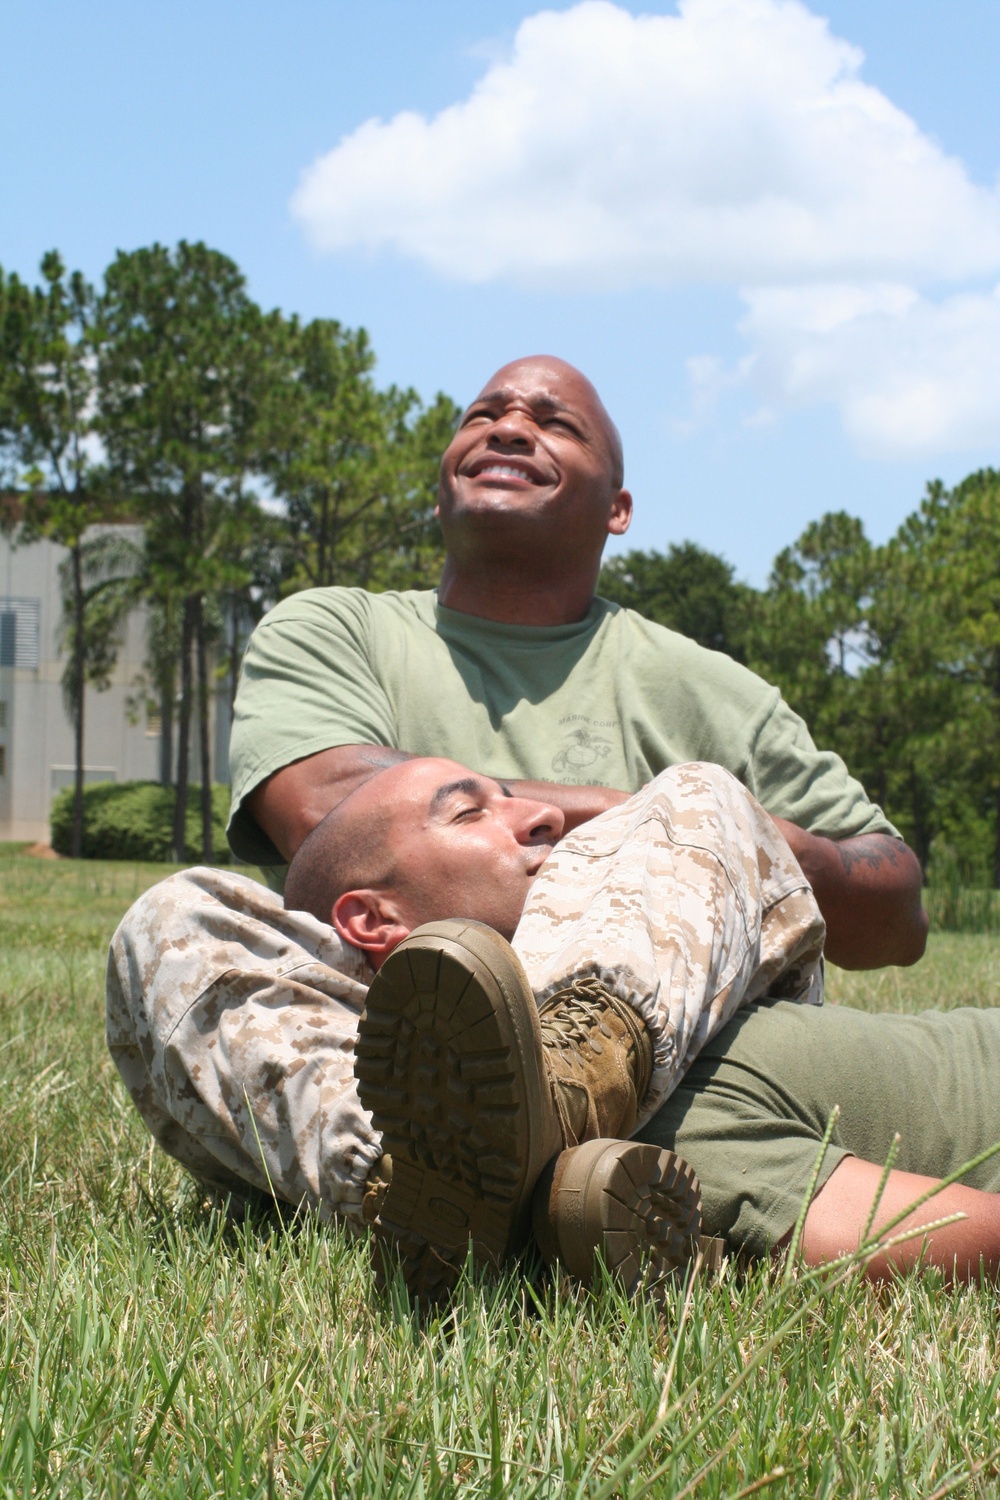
(134, 820)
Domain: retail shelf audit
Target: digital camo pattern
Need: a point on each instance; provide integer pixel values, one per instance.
(233, 1023)
(687, 902)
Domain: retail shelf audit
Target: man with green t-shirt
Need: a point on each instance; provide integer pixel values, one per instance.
(230, 1018)
(514, 667)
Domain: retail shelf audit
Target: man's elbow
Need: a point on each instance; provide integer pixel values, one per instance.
(897, 948)
(894, 938)
(911, 938)
(880, 928)
(911, 924)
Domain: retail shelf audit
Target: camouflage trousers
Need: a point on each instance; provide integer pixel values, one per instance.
(232, 1021)
(687, 902)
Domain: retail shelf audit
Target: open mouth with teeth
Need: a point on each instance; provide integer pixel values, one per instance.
(504, 471)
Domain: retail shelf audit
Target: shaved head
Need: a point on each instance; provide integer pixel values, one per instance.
(423, 839)
(350, 850)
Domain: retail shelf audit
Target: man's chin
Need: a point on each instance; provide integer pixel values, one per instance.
(505, 926)
(497, 502)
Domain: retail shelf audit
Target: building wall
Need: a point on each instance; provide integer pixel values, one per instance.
(36, 736)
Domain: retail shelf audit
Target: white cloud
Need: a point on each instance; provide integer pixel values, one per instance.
(732, 142)
(709, 378)
(909, 375)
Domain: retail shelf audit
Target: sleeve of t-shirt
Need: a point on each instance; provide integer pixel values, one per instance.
(307, 684)
(810, 787)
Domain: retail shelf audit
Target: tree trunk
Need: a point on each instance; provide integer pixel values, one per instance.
(321, 549)
(167, 731)
(921, 834)
(880, 781)
(204, 746)
(879, 736)
(234, 655)
(166, 670)
(184, 730)
(79, 684)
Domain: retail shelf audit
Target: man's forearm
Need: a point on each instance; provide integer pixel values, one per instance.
(289, 804)
(578, 804)
(868, 889)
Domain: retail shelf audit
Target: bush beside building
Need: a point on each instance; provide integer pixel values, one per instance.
(134, 820)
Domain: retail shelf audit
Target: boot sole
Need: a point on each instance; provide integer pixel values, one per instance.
(638, 1205)
(449, 1062)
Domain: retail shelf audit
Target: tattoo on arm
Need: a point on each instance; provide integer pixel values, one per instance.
(870, 849)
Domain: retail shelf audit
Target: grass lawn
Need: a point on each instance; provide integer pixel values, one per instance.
(147, 1349)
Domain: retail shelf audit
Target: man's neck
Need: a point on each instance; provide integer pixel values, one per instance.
(514, 597)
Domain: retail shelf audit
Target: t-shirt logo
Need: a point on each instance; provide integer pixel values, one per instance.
(581, 750)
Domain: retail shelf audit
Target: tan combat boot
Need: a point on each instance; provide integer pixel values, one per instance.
(449, 1061)
(635, 1205)
(599, 1058)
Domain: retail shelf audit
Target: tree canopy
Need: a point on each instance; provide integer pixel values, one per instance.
(257, 456)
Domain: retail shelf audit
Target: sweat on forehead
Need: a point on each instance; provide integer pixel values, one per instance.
(548, 375)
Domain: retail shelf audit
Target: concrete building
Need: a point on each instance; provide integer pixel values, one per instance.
(36, 736)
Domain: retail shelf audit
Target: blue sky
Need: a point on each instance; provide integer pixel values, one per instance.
(777, 261)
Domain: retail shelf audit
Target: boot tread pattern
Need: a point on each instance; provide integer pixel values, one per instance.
(438, 1073)
(652, 1212)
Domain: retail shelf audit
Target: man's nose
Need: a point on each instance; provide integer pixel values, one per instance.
(513, 429)
(540, 823)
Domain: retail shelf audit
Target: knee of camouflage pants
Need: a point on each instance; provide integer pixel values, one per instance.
(232, 1023)
(686, 902)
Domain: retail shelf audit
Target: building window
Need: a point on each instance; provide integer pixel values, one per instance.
(154, 724)
(19, 633)
(3, 714)
(63, 776)
(3, 760)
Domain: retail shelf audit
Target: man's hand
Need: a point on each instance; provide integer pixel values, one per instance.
(289, 804)
(868, 889)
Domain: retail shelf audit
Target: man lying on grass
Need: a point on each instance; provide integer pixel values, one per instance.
(669, 945)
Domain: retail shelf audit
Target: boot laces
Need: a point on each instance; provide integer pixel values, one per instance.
(378, 1182)
(571, 1017)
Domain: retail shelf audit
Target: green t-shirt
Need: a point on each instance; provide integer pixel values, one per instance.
(610, 701)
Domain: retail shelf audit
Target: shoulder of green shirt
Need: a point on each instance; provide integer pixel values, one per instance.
(339, 599)
(759, 709)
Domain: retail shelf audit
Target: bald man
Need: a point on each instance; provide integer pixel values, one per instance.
(514, 667)
(668, 939)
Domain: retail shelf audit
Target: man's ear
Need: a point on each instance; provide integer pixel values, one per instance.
(369, 920)
(621, 513)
